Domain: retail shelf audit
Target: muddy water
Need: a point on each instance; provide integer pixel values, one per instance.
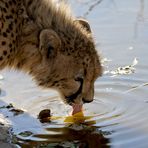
(119, 113)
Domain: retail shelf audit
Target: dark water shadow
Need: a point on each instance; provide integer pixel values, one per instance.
(69, 137)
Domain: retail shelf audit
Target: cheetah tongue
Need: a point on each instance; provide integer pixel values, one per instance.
(76, 108)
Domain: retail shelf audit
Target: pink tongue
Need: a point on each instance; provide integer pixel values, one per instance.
(76, 108)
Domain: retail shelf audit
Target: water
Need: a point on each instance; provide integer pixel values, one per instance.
(119, 112)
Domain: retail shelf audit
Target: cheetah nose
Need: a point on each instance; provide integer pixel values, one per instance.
(86, 101)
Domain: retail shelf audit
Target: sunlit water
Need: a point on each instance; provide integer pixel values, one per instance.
(119, 113)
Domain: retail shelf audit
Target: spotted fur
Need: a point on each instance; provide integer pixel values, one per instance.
(46, 41)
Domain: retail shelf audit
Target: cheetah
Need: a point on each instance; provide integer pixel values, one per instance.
(46, 41)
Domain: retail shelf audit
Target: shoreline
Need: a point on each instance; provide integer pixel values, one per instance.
(5, 136)
(5, 133)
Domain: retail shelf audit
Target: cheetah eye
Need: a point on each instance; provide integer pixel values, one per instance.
(80, 79)
(80, 76)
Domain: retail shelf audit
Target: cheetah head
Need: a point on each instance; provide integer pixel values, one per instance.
(72, 70)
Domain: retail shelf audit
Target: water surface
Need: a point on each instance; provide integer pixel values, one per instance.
(119, 113)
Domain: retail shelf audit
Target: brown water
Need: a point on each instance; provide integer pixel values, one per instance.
(119, 113)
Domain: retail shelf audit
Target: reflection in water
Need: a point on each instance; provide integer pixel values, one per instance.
(87, 137)
(75, 135)
(120, 106)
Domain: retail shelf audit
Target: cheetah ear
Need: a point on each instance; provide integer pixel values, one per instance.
(85, 24)
(49, 43)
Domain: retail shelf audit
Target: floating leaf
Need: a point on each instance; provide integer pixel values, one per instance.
(7, 106)
(76, 118)
(79, 118)
(17, 111)
(44, 115)
(125, 70)
(25, 133)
